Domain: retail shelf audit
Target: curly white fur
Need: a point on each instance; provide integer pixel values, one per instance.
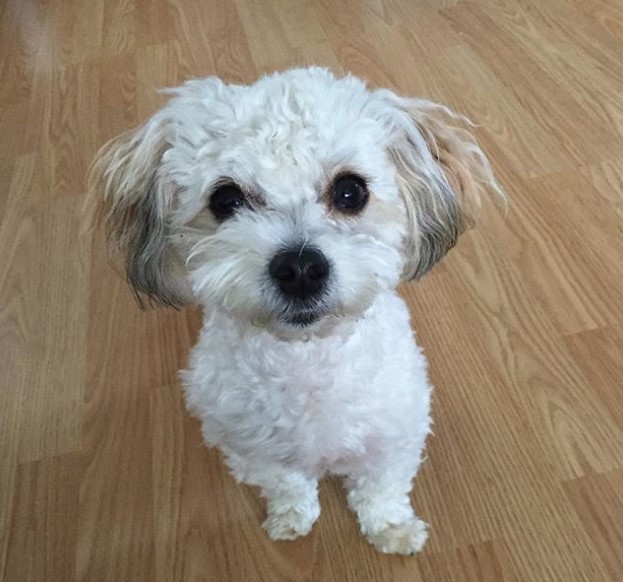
(346, 393)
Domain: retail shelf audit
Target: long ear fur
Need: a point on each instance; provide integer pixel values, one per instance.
(442, 174)
(129, 196)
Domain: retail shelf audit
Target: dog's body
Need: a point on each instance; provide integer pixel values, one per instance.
(290, 210)
(354, 403)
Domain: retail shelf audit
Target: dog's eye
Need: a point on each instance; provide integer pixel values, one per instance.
(226, 200)
(350, 193)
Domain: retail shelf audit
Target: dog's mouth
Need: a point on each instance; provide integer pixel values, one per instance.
(304, 315)
(303, 319)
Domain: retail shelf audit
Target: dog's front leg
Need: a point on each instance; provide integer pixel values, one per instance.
(379, 494)
(292, 501)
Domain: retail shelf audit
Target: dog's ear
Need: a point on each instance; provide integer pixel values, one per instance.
(130, 197)
(442, 174)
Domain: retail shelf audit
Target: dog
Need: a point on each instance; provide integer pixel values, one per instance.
(290, 210)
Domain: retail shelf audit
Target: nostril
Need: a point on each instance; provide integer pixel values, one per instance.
(284, 272)
(317, 270)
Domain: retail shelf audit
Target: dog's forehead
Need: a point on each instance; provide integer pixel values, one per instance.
(290, 132)
(302, 153)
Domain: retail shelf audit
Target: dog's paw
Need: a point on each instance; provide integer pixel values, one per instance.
(288, 524)
(405, 538)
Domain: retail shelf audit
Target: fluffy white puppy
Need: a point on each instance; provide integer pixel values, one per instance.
(290, 210)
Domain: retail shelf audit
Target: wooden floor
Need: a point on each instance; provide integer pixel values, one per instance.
(103, 476)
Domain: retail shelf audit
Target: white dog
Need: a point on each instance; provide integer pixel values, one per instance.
(290, 210)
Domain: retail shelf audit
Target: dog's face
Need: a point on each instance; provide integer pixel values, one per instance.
(290, 201)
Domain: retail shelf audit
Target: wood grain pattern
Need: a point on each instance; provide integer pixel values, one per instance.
(103, 475)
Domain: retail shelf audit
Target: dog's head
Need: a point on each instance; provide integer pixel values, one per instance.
(289, 201)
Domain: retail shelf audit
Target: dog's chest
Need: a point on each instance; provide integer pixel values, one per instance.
(310, 403)
(319, 402)
(314, 404)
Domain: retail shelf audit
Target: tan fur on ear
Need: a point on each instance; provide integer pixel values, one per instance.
(127, 196)
(442, 174)
(463, 162)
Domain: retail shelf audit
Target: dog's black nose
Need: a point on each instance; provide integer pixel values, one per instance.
(299, 273)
